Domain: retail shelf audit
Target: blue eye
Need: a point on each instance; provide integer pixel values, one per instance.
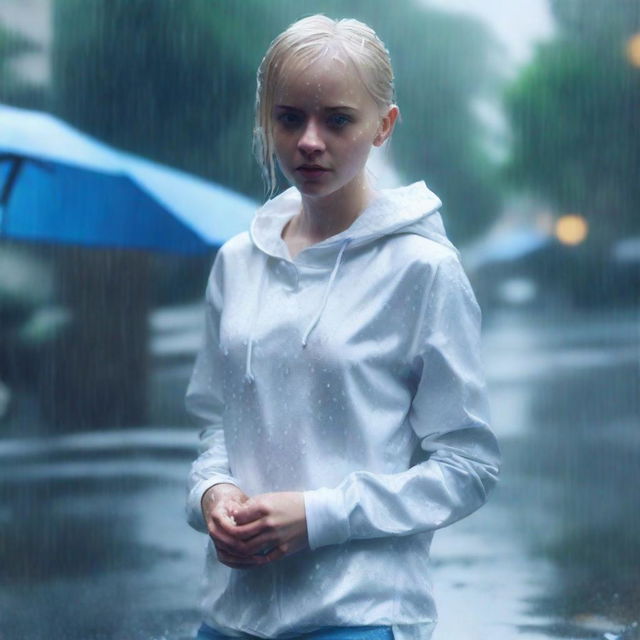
(339, 120)
(289, 119)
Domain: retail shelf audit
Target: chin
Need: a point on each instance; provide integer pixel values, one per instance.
(310, 188)
(320, 188)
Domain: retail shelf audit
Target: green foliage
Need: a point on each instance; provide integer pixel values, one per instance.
(596, 21)
(442, 63)
(159, 79)
(175, 80)
(574, 113)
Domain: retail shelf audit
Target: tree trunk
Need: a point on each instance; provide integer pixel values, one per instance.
(96, 374)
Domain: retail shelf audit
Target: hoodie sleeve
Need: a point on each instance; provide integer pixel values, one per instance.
(449, 414)
(205, 404)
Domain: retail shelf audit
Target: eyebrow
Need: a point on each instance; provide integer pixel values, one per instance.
(338, 108)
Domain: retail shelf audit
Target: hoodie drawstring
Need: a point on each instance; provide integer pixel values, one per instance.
(249, 377)
(248, 374)
(315, 321)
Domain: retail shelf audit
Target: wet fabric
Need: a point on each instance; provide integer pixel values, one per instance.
(350, 373)
(328, 633)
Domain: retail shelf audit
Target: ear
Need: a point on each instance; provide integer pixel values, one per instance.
(386, 125)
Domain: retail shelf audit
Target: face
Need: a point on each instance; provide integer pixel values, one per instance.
(324, 125)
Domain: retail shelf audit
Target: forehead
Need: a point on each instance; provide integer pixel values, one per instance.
(326, 82)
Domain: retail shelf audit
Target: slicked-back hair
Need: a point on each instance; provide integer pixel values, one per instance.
(302, 44)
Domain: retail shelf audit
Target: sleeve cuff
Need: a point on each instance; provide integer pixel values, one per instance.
(194, 500)
(327, 517)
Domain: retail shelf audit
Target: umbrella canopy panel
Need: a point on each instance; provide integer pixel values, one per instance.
(57, 184)
(56, 203)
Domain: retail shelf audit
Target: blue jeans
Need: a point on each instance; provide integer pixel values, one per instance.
(326, 633)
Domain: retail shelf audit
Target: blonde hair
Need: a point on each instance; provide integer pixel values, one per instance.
(299, 46)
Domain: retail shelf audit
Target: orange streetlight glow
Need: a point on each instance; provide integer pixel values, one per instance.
(633, 50)
(571, 229)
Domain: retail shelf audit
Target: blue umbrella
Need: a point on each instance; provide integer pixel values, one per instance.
(505, 246)
(60, 185)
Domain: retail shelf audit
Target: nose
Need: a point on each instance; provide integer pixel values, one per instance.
(310, 140)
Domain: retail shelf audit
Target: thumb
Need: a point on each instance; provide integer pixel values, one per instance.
(247, 512)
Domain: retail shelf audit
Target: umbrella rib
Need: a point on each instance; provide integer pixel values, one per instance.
(47, 166)
(17, 161)
(16, 165)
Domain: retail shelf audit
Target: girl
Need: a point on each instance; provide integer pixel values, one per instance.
(341, 336)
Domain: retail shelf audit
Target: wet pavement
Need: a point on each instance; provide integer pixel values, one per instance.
(556, 551)
(93, 542)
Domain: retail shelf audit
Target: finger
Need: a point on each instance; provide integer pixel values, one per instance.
(231, 554)
(223, 516)
(231, 543)
(229, 504)
(247, 512)
(225, 524)
(219, 534)
(240, 562)
(252, 529)
(275, 554)
(240, 548)
(218, 544)
(257, 546)
(235, 547)
(259, 543)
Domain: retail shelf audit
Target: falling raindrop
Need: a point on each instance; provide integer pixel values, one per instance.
(562, 361)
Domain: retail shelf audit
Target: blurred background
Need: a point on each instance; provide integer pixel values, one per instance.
(523, 116)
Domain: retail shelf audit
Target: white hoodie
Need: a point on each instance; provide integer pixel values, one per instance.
(325, 374)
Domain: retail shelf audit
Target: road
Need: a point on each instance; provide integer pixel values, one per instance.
(93, 543)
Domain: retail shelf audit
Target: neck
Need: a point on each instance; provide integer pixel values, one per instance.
(326, 216)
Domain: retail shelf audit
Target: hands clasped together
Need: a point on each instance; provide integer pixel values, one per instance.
(249, 532)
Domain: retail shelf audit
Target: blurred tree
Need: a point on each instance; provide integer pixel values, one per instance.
(95, 374)
(574, 112)
(170, 80)
(175, 80)
(445, 64)
(597, 22)
(15, 90)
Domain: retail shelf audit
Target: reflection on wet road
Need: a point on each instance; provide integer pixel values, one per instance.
(93, 542)
(561, 532)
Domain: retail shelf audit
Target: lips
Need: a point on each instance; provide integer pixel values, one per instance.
(312, 170)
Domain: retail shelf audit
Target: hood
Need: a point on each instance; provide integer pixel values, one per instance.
(410, 209)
